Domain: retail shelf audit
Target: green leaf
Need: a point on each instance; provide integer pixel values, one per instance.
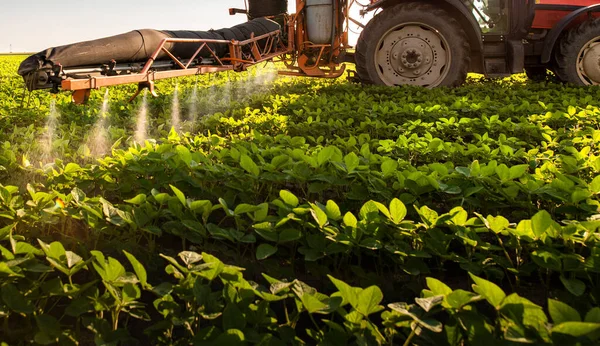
(466, 171)
(230, 337)
(54, 250)
(180, 195)
(138, 268)
(429, 216)
(184, 154)
(547, 260)
(265, 251)
(410, 311)
(319, 215)
(593, 316)
(503, 172)
(352, 162)
(262, 212)
(516, 172)
(249, 165)
(475, 168)
(15, 300)
(333, 211)
(49, 329)
(575, 286)
(325, 155)
(488, 290)
(348, 293)
(78, 195)
(595, 185)
(460, 298)
(580, 195)
(137, 200)
(289, 198)
(368, 210)
(576, 329)
(497, 224)
(213, 269)
(437, 287)
(541, 223)
(245, 209)
(71, 168)
(397, 211)
(350, 220)
(72, 259)
(389, 167)
(190, 257)
(194, 226)
(233, 318)
(429, 303)
(369, 300)
(311, 303)
(561, 312)
(289, 235)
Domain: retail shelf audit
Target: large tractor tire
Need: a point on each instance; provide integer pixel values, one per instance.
(413, 44)
(578, 54)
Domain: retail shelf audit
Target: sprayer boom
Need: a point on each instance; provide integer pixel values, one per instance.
(311, 43)
(147, 73)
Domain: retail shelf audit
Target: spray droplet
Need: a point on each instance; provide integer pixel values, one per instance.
(98, 141)
(193, 108)
(141, 129)
(47, 140)
(175, 112)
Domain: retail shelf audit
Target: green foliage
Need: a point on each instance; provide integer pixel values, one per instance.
(441, 217)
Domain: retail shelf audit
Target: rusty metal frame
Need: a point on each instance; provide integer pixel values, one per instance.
(237, 61)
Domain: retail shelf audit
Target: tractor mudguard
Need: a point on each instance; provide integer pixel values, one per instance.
(553, 36)
(473, 33)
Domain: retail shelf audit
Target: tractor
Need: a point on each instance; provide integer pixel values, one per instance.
(436, 43)
(426, 43)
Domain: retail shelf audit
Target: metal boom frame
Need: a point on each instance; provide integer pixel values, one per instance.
(300, 56)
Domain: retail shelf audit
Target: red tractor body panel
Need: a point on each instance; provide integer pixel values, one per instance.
(557, 9)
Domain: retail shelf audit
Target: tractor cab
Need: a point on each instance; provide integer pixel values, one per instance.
(492, 15)
(504, 26)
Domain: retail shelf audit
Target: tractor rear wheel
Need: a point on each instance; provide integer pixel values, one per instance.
(413, 44)
(578, 55)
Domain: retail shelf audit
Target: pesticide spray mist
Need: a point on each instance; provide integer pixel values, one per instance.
(99, 141)
(175, 111)
(141, 127)
(47, 141)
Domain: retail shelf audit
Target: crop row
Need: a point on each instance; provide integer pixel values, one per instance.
(203, 301)
(377, 236)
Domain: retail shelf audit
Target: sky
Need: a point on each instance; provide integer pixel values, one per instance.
(34, 25)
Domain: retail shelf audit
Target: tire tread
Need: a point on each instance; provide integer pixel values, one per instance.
(388, 14)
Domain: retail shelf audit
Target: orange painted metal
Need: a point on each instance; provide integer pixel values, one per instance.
(547, 18)
(81, 96)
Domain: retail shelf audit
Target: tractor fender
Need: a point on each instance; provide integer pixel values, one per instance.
(468, 21)
(559, 28)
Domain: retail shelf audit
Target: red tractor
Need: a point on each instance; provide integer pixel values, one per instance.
(433, 43)
(426, 43)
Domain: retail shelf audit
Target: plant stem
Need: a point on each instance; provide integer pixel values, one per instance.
(410, 337)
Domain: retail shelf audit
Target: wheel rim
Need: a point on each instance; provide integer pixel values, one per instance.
(588, 62)
(413, 54)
